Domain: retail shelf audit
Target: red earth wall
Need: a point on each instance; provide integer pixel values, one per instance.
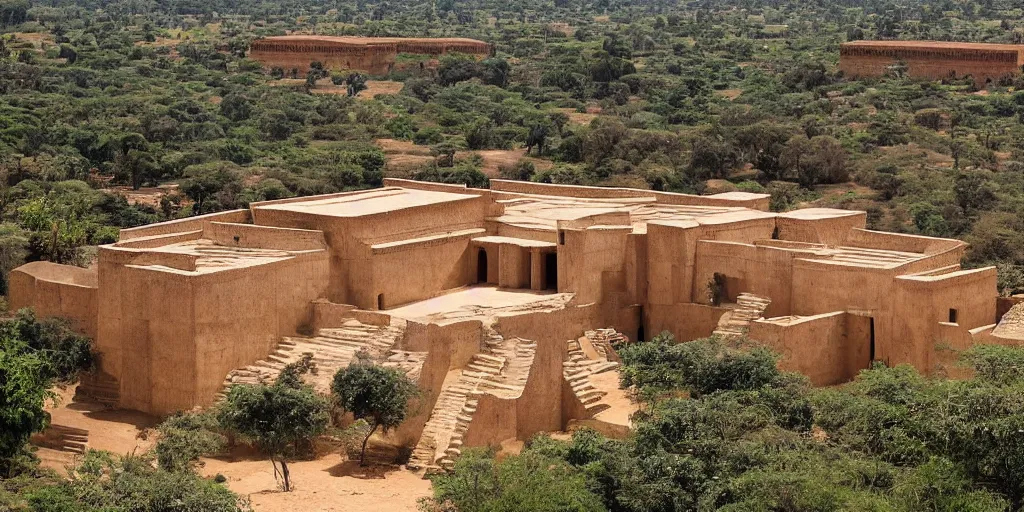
(375, 56)
(936, 63)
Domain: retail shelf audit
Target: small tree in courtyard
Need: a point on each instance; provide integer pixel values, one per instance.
(377, 394)
(275, 418)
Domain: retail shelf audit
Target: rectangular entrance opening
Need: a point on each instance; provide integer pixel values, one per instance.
(871, 346)
(952, 316)
(481, 266)
(550, 271)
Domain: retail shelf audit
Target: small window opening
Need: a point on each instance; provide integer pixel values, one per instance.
(380, 302)
(775, 233)
(952, 315)
(237, 238)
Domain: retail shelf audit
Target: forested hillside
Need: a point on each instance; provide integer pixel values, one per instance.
(116, 114)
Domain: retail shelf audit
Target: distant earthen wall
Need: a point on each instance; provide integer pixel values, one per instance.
(375, 56)
(936, 63)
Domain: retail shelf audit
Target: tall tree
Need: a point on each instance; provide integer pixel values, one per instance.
(275, 417)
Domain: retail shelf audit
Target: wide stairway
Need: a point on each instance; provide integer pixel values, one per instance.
(98, 387)
(501, 369)
(64, 438)
(589, 355)
(331, 349)
(735, 324)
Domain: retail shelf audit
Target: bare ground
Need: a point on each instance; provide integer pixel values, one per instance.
(328, 483)
(146, 196)
(373, 88)
(405, 157)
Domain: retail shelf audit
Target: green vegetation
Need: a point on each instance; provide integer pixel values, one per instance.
(277, 418)
(724, 429)
(376, 394)
(34, 356)
(669, 95)
(101, 101)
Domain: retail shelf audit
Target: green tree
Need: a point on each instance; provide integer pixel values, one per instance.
(275, 418)
(184, 437)
(373, 393)
(24, 390)
(13, 251)
(212, 186)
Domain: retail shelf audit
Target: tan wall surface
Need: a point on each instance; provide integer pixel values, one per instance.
(170, 338)
(190, 224)
(921, 303)
(56, 290)
(818, 347)
(685, 321)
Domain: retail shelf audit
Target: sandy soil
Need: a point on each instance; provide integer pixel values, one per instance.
(496, 158)
(373, 88)
(329, 483)
(404, 157)
(116, 431)
(622, 404)
(583, 118)
(729, 93)
(715, 186)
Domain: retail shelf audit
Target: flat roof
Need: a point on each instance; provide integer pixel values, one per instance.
(819, 213)
(370, 202)
(938, 45)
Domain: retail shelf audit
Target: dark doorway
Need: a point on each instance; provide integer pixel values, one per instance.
(952, 316)
(380, 302)
(640, 335)
(871, 333)
(550, 271)
(481, 266)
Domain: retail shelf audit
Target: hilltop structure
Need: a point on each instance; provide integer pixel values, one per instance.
(373, 55)
(934, 60)
(503, 304)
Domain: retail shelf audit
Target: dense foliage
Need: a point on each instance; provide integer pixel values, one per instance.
(34, 355)
(119, 484)
(101, 97)
(724, 429)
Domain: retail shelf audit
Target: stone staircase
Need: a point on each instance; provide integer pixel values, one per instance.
(605, 342)
(65, 438)
(579, 366)
(501, 369)
(98, 387)
(331, 349)
(735, 324)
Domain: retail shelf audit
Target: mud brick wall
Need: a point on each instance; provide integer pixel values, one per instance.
(935, 63)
